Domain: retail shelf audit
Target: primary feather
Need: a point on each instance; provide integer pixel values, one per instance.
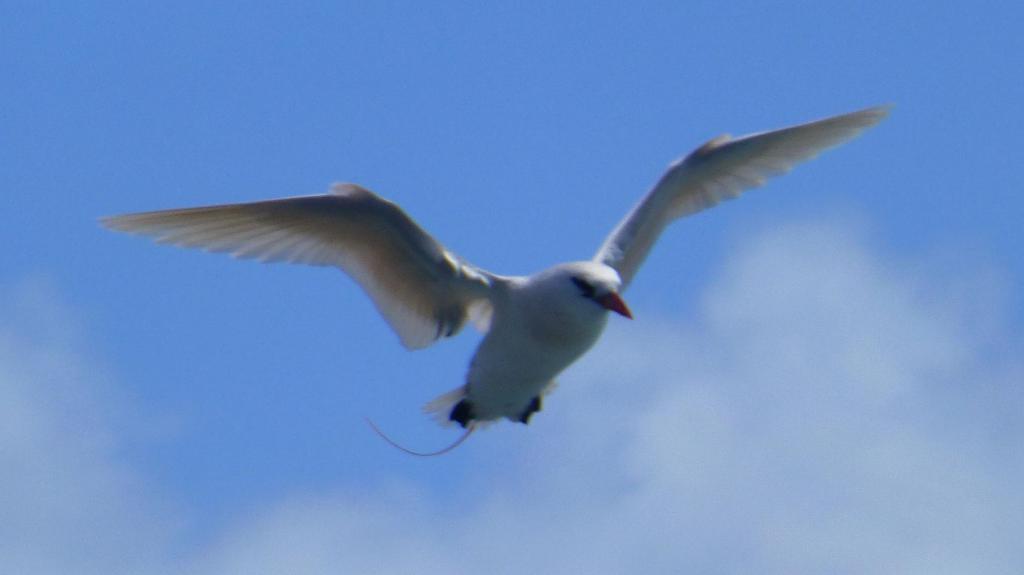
(422, 290)
(722, 169)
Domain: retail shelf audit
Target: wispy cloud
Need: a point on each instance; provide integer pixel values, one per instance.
(69, 502)
(830, 409)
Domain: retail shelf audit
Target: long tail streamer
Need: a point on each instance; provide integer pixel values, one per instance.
(393, 443)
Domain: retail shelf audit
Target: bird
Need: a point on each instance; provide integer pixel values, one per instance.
(534, 326)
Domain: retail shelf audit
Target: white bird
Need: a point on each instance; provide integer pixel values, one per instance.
(536, 326)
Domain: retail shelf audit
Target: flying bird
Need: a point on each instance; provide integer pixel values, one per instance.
(536, 326)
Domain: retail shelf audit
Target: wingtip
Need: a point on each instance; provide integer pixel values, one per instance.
(111, 222)
(873, 114)
(127, 223)
(852, 124)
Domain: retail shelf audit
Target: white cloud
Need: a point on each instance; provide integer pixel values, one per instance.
(68, 502)
(829, 410)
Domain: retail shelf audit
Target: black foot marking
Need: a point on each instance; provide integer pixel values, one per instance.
(534, 407)
(462, 413)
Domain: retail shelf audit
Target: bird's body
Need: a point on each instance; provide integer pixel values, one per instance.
(529, 341)
(536, 326)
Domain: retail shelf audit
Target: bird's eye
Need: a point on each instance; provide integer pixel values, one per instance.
(585, 287)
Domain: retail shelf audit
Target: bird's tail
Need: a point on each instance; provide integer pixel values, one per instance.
(441, 407)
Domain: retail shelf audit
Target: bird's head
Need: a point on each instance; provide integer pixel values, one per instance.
(595, 282)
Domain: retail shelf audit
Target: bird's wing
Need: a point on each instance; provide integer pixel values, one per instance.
(722, 169)
(424, 291)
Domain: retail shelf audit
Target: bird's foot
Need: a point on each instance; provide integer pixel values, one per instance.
(534, 407)
(462, 413)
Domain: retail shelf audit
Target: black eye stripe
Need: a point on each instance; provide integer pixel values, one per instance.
(586, 288)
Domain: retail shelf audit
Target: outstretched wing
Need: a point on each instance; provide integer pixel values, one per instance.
(424, 291)
(719, 170)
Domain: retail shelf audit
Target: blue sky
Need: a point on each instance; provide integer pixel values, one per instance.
(823, 376)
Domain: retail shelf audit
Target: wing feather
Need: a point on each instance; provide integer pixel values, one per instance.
(722, 169)
(422, 290)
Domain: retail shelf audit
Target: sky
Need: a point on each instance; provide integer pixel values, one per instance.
(824, 376)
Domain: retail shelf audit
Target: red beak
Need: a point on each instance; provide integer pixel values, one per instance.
(613, 302)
